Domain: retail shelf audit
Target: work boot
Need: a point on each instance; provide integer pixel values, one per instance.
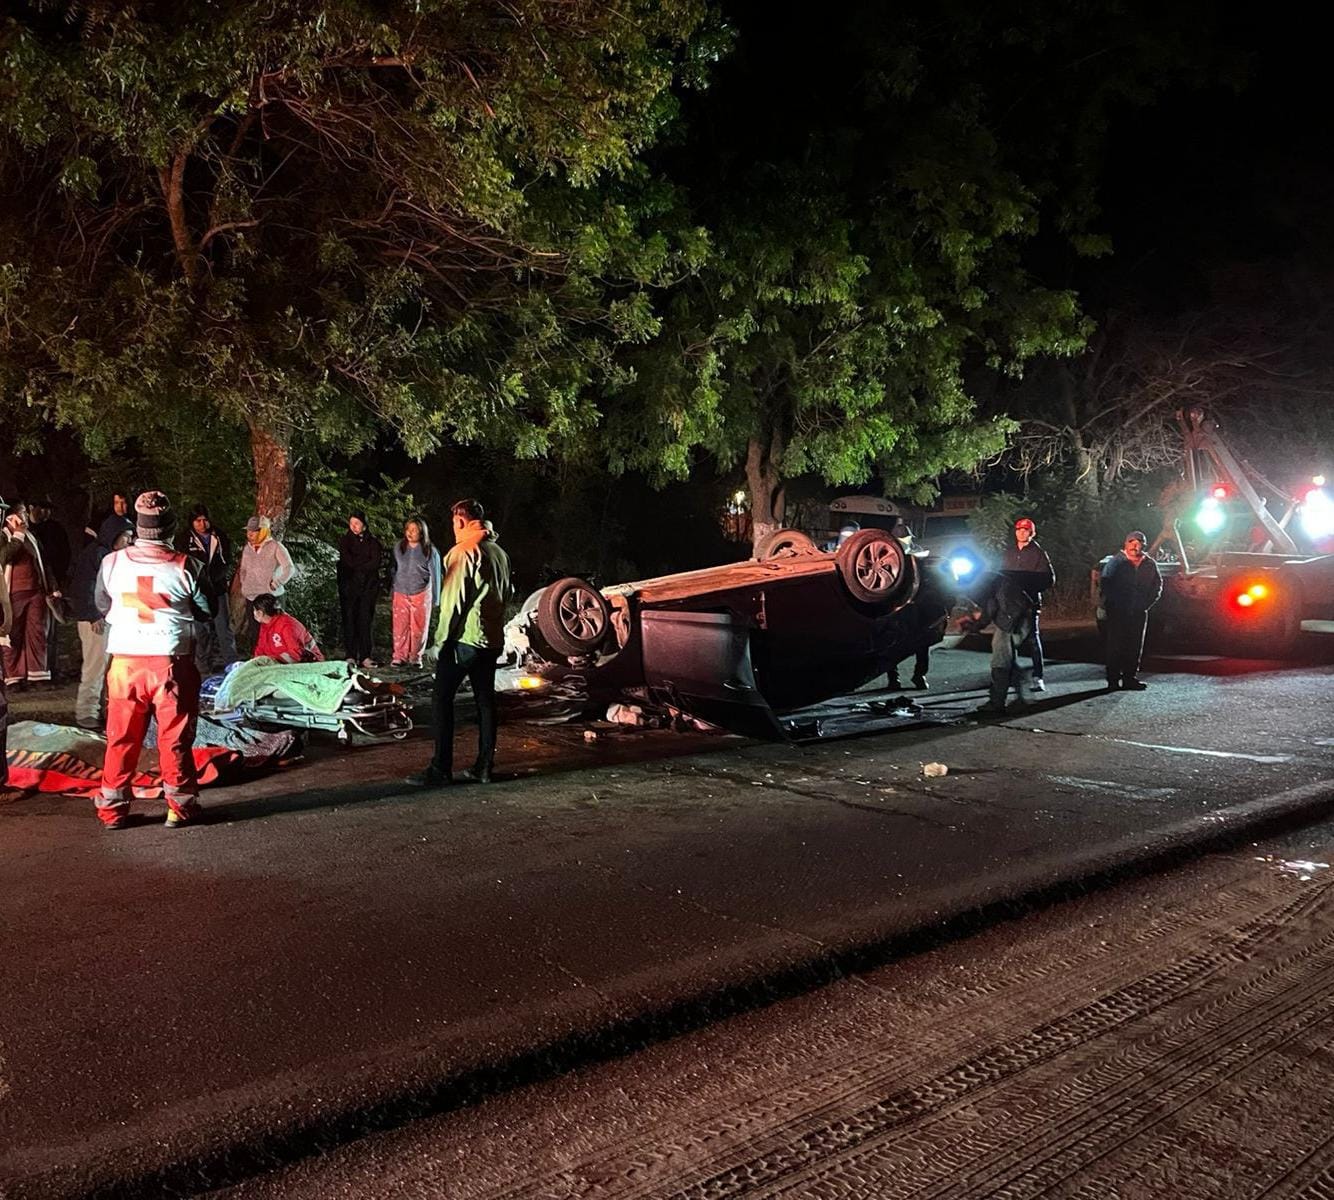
(1131, 684)
(477, 773)
(429, 778)
(991, 709)
(919, 682)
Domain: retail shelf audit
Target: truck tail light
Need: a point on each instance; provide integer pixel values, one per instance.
(1251, 596)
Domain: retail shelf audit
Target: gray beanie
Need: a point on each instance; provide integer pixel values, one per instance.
(154, 520)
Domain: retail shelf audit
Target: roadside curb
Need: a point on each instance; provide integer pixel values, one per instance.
(999, 898)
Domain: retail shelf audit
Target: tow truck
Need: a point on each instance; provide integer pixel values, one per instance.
(1237, 576)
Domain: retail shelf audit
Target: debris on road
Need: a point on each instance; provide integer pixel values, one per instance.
(935, 770)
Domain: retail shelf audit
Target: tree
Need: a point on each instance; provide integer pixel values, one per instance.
(314, 221)
(876, 182)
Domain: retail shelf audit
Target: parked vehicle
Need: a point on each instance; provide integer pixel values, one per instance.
(1237, 576)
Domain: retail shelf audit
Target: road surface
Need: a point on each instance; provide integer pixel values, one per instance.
(337, 953)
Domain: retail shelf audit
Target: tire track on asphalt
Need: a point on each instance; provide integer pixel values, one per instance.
(831, 1160)
(822, 1096)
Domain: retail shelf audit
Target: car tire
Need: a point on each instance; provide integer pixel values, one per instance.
(875, 569)
(784, 543)
(573, 616)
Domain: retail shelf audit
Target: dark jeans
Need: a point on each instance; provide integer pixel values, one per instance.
(1125, 644)
(457, 663)
(358, 603)
(1033, 646)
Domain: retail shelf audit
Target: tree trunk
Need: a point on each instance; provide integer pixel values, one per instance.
(768, 497)
(271, 452)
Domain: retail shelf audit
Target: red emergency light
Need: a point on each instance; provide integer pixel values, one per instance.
(1251, 596)
(1220, 491)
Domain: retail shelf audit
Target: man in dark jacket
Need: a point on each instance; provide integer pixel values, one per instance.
(1130, 586)
(1028, 565)
(1010, 611)
(90, 705)
(360, 564)
(215, 646)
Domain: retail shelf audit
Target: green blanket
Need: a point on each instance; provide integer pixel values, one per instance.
(318, 686)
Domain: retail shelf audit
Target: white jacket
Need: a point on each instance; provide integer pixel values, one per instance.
(151, 596)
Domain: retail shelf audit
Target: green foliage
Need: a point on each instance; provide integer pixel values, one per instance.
(332, 494)
(322, 219)
(312, 593)
(877, 184)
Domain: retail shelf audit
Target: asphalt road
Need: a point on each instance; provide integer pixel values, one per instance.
(1167, 1037)
(336, 954)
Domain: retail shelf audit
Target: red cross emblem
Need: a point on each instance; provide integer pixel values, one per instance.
(145, 599)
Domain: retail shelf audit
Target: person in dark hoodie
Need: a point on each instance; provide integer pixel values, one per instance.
(360, 561)
(215, 645)
(1009, 609)
(90, 705)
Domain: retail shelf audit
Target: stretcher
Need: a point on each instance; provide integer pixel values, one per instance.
(369, 709)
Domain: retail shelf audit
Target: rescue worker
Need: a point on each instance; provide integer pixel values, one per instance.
(264, 569)
(151, 596)
(281, 636)
(1130, 585)
(1009, 610)
(90, 705)
(1028, 565)
(360, 561)
(215, 647)
(469, 636)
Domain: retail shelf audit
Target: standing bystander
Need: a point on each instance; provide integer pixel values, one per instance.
(5, 617)
(90, 705)
(215, 647)
(1009, 610)
(1131, 584)
(263, 570)
(1028, 565)
(29, 593)
(416, 591)
(360, 561)
(469, 635)
(151, 596)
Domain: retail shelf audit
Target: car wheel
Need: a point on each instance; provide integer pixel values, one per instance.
(784, 543)
(573, 616)
(874, 567)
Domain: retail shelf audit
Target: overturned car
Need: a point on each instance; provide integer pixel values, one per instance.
(734, 644)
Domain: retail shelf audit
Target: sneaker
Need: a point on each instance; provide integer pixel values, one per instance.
(429, 778)
(919, 682)
(1134, 685)
(177, 820)
(1038, 686)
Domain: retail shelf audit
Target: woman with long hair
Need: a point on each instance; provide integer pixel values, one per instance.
(416, 591)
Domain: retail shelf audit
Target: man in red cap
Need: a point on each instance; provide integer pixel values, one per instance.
(151, 596)
(1028, 565)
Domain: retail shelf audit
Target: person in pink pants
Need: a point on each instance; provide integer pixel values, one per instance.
(416, 591)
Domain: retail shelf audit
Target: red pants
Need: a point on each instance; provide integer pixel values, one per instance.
(139, 687)
(25, 656)
(410, 616)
